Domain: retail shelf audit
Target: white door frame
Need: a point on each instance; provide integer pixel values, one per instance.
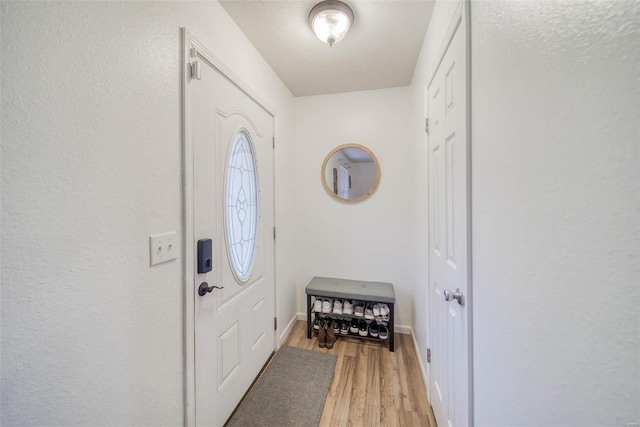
(460, 17)
(192, 49)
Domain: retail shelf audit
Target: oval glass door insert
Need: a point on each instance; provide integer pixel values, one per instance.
(241, 206)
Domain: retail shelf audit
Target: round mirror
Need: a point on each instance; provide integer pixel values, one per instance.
(350, 173)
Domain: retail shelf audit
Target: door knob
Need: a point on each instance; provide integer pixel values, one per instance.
(205, 288)
(450, 296)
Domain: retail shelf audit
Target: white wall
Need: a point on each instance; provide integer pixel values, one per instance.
(362, 176)
(372, 240)
(555, 134)
(91, 166)
(441, 17)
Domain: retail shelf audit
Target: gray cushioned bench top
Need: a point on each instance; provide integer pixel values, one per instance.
(351, 289)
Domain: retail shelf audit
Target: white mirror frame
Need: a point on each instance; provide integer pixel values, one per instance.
(369, 192)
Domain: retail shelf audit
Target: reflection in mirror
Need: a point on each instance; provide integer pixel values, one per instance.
(350, 173)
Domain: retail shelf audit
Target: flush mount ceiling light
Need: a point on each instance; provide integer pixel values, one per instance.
(331, 20)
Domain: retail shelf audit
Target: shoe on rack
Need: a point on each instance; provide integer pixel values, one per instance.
(331, 335)
(373, 329)
(383, 332)
(347, 307)
(384, 313)
(344, 327)
(376, 310)
(368, 312)
(354, 326)
(317, 305)
(363, 328)
(336, 326)
(384, 310)
(359, 310)
(322, 334)
(315, 324)
(337, 306)
(326, 305)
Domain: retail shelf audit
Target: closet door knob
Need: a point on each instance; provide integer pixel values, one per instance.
(450, 296)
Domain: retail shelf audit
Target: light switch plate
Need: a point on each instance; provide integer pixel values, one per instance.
(163, 247)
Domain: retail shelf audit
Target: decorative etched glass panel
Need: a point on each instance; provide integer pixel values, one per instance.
(241, 206)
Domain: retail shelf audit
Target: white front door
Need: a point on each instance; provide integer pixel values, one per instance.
(449, 243)
(233, 206)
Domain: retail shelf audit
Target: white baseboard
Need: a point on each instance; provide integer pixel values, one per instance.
(403, 329)
(400, 329)
(287, 329)
(423, 369)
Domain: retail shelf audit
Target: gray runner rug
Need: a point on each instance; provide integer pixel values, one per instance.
(291, 391)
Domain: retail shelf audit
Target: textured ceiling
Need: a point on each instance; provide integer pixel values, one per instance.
(379, 52)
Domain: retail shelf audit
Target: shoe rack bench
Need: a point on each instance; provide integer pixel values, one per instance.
(368, 292)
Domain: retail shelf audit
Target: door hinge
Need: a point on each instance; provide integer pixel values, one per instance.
(428, 355)
(274, 233)
(274, 142)
(195, 70)
(275, 323)
(426, 125)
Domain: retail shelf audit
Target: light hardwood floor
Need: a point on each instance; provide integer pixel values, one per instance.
(371, 386)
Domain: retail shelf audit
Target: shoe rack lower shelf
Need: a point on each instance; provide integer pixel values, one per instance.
(353, 335)
(312, 315)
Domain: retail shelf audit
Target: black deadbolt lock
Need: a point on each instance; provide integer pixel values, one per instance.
(205, 256)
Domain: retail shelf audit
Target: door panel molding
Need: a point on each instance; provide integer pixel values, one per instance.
(240, 295)
(192, 49)
(461, 9)
(244, 116)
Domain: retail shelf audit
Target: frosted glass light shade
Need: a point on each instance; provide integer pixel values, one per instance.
(331, 21)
